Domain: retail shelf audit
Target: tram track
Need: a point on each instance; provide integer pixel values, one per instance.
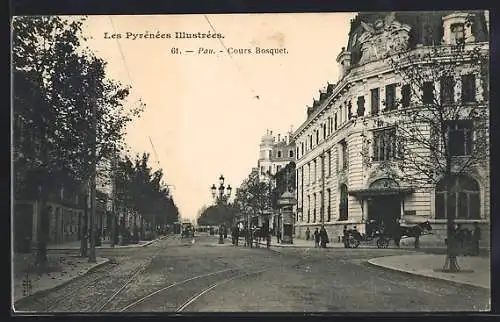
(186, 291)
(132, 277)
(179, 287)
(141, 300)
(100, 284)
(211, 287)
(86, 284)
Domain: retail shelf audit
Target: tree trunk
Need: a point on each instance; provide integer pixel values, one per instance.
(155, 231)
(113, 227)
(84, 227)
(135, 227)
(42, 222)
(142, 228)
(93, 221)
(451, 264)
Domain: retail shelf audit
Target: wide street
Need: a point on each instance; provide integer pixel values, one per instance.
(174, 275)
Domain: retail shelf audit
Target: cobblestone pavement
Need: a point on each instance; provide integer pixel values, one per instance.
(250, 279)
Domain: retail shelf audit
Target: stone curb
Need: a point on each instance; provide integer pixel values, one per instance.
(300, 246)
(60, 285)
(120, 247)
(288, 246)
(373, 262)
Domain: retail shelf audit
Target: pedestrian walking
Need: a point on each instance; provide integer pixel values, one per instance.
(308, 234)
(236, 236)
(278, 236)
(476, 237)
(323, 235)
(316, 238)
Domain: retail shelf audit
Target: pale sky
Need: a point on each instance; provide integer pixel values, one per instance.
(201, 112)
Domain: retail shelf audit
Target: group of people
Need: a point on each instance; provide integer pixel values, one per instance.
(254, 234)
(346, 231)
(320, 237)
(464, 241)
(235, 235)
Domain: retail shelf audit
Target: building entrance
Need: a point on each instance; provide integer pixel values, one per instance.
(383, 211)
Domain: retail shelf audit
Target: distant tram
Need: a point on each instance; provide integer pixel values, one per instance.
(187, 229)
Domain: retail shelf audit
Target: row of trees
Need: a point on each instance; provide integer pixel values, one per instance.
(253, 197)
(437, 135)
(216, 215)
(69, 116)
(140, 188)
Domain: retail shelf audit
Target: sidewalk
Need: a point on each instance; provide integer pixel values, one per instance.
(106, 244)
(476, 269)
(60, 270)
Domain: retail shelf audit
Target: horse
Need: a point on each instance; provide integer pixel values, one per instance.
(412, 231)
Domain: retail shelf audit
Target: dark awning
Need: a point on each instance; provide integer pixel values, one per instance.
(373, 192)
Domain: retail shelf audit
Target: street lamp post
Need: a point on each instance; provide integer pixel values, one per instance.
(221, 197)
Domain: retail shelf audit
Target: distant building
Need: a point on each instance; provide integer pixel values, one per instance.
(104, 196)
(275, 154)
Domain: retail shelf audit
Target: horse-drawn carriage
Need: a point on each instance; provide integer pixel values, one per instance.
(354, 238)
(383, 236)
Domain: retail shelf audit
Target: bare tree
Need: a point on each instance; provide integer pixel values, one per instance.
(438, 130)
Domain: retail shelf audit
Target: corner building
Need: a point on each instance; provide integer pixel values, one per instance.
(275, 153)
(335, 186)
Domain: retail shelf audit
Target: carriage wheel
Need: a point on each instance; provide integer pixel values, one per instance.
(352, 242)
(383, 242)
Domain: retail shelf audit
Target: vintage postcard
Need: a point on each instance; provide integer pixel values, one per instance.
(305, 162)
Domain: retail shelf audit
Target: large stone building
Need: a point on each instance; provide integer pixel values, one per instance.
(342, 174)
(275, 154)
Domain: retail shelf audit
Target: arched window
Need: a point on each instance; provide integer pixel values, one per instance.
(343, 206)
(458, 197)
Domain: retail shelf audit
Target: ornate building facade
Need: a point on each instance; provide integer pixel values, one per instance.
(343, 154)
(275, 154)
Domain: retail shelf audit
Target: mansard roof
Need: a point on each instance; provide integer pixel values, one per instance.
(426, 27)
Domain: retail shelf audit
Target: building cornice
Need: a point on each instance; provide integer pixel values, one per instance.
(383, 68)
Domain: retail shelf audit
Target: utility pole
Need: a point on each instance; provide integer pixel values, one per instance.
(114, 168)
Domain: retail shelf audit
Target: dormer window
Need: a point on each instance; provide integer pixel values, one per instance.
(457, 33)
(457, 29)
